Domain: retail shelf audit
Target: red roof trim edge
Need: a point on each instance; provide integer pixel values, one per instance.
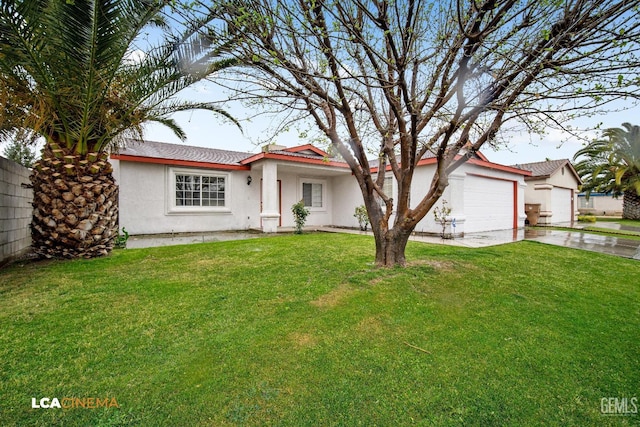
(276, 156)
(309, 147)
(477, 162)
(175, 162)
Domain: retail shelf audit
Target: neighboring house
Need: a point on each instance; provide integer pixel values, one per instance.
(553, 185)
(169, 188)
(599, 204)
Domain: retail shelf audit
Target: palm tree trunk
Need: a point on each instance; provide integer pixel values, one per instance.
(631, 205)
(75, 205)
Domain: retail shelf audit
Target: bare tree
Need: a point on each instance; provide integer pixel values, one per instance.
(440, 78)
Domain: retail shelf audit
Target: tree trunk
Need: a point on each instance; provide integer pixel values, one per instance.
(631, 205)
(75, 201)
(390, 247)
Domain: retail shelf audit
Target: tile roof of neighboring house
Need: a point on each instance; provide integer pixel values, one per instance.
(161, 150)
(547, 168)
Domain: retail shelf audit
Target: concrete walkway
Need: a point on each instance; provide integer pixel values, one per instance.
(471, 240)
(155, 240)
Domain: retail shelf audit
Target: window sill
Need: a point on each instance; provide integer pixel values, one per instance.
(197, 211)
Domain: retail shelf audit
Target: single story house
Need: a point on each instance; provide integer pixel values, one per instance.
(553, 184)
(169, 188)
(599, 204)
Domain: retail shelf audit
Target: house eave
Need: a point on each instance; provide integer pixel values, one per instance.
(284, 157)
(177, 162)
(477, 162)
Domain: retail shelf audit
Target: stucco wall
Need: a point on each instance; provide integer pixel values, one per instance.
(599, 205)
(292, 194)
(145, 201)
(541, 191)
(564, 178)
(348, 196)
(15, 210)
(145, 198)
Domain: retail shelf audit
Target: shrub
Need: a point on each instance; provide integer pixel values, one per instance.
(586, 218)
(121, 240)
(441, 215)
(362, 216)
(300, 213)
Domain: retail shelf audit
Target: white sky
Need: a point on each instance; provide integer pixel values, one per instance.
(204, 129)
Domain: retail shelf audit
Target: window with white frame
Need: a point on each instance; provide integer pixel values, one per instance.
(583, 203)
(199, 190)
(387, 189)
(312, 194)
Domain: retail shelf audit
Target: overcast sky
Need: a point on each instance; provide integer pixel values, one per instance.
(206, 130)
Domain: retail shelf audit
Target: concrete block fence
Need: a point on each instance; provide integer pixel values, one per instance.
(15, 210)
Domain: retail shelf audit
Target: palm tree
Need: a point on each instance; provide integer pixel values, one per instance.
(612, 165)
(68, 74)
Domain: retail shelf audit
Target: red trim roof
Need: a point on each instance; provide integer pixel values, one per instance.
(477, 162)
(307, 147)
(282, 155)
(210, 158)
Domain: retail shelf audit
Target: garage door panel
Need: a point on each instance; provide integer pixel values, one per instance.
(561, 205)
(488, 204)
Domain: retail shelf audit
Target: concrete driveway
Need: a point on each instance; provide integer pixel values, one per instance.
(618, 246)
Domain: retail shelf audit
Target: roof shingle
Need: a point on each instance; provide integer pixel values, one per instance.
(542, 169)
(161, 150)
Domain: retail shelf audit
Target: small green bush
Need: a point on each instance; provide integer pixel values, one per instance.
(300, 213)
(441, 215)
(586, 218)
(121, 239)
(362, 216)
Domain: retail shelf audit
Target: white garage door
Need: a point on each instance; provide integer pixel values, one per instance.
(488, 204)
(560, 205)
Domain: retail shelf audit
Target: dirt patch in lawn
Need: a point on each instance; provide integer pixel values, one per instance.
(370, 326)
(435, 264)
(333, 298)
(300, 339)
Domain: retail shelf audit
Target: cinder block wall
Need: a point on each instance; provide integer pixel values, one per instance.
(15, 210)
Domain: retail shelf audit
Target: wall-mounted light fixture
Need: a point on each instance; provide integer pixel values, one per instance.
(249, 179)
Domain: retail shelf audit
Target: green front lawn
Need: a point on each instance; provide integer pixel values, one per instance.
(304, 331)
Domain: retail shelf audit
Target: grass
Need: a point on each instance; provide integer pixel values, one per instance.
(304, 331)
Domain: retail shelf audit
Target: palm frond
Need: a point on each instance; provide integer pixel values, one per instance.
(66, 67)
(171, 124)
(612, 163)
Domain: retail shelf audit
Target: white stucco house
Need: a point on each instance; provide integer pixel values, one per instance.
(553, 184)
(600, 204)
(169, 188)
